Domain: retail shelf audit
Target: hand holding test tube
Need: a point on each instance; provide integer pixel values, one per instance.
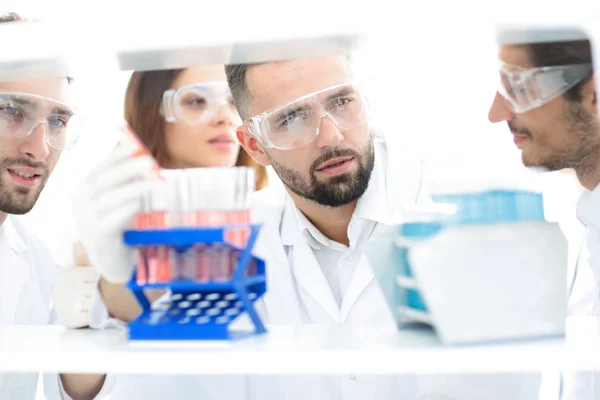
(107, 203)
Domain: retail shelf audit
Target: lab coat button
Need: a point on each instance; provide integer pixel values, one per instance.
(352, 376)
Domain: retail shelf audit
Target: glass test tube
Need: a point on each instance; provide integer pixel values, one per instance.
(160, 222)
(201, 189)
(172, 212)
(188, 269)
(142, 222)
(219, 201)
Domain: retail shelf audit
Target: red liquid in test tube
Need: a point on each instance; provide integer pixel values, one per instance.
(219, 203)
(142, 222)
(244, 214)
(189, 221)
(199, 195)
(159, 222)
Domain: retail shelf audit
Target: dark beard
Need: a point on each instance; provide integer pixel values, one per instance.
(338, 190)
(584, 150)
(22, 199)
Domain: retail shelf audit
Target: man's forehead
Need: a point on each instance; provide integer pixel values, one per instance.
(55, 88)
(516, 55)
(273, 84)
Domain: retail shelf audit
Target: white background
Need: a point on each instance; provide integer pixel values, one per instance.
(433, 81)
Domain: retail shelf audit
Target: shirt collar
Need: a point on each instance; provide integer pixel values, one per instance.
(372, 206)
(588, 208)
(11, 234)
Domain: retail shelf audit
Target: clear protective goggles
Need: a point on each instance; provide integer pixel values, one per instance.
(527, 88)
(22, 113)
(198, 104)
(298, 123)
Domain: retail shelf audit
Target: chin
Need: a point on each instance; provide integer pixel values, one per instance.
(529, 161)
(224, 162)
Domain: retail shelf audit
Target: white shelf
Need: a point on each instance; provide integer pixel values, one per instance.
(42, 50)
(284, 350)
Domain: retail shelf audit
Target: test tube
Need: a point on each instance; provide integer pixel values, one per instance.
(162, 222)
(142, 222)
(189, 221)
(151, 251)
(235, 233)
(245, 213)
(249, 187)
(219, 202)
(172, 219)
(131, 139)
(201, 188)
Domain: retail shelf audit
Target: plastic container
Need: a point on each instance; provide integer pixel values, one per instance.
(476, 266)
(195, 309)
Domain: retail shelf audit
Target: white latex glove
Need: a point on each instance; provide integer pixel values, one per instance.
(73, 289)
(104, 206)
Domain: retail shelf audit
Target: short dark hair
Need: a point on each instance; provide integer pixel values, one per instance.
(11, 17)
(549, 54)
(14, 17)
(236, 79)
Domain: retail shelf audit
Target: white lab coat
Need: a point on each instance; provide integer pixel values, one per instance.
(26, 277)
(297, 293)
(584, 299)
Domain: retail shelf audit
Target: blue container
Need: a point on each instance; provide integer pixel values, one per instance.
(195, 310)
(489, 207)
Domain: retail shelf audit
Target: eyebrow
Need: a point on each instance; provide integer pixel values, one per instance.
(341, 92)
(62, 111)
(23, 102)
(30, 104)
(287, 111)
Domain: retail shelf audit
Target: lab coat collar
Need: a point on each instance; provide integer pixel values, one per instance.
(588, 208)
(11, 233)
(373, 204)
(305, 266)
(13, 264)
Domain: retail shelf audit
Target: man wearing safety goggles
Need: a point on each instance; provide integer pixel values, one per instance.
(310, 120)
(319, 143)
(36, 125)
(547, 96)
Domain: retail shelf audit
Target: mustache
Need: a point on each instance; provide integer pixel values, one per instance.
(518, 131)
(331, 154)
(24, 162)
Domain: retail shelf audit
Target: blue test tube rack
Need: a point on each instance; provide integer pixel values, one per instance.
(190, 301)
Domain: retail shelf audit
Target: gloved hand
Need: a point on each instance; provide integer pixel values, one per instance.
(73, 289)
(105, 204)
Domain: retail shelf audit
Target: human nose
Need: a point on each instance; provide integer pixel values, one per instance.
(329, 134)
(499, 110)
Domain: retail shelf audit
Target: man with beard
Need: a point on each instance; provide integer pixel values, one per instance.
(310, 120)
(547, 96)
(36, 125)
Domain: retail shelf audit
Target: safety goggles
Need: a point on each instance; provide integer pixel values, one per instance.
(198, 104)
(298, 123)
(527, 88)
(22, 113)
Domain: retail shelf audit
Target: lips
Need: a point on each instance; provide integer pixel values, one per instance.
(334, 162)
(25, 172)
(221, 139)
